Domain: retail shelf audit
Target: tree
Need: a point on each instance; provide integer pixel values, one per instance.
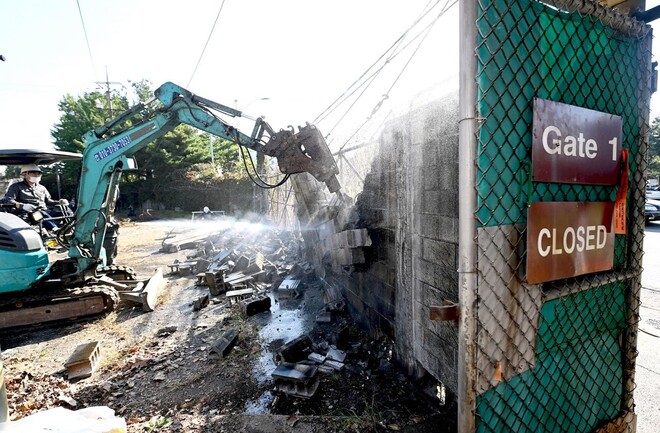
(79, 115)
(177, 150)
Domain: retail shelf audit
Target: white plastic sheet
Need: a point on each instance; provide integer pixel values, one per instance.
(96, 419)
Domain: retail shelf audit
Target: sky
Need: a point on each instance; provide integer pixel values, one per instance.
(286, 60)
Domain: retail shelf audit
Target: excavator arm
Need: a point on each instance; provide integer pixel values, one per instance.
(106, 156)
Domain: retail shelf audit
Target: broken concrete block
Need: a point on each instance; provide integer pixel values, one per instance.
(295, 371)
(83, 361)
(325, 369)
(337, 366)
(336, 355)
(289, 289)
(224, 344)
(254, 305)
(215, 281)
(256, 264)
(293, 351)
(316, 357)
(182, 268)
(202, 265)
(297, 380)
(201, 279)
(201, 302)
(236, 280)
(241, 264)
(238, 295)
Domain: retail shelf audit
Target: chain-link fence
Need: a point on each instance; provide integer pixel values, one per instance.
(558, 355)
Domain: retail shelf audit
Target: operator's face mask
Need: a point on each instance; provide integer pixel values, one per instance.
(33, 176)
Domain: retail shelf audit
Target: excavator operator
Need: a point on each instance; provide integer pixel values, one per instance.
(29, 195)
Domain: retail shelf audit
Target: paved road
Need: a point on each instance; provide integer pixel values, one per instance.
(647, 377)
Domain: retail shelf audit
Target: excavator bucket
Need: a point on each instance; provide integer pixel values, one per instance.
(304, 151)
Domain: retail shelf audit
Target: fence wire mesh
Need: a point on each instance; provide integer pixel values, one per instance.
(557, 356)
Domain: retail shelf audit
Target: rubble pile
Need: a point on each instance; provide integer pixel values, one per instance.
(241, 271)
(340, 371)
(199, 374)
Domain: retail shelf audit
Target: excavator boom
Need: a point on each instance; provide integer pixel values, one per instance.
(77, 285)
(107, 155)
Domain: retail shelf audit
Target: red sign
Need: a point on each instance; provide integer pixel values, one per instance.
(566, 239)
(575, 145)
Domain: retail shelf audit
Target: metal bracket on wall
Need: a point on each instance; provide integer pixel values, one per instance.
(449, 311)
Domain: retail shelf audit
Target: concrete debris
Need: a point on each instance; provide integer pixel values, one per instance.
(215, 282)
(68, 400)
(224, 344)
(188, 240)
(316, 357)
(220, 283)
(254, 305)
(333, 364)
(201, 279)
(250, 265)
(336, 355)
(325, 369)
(83, 361)
(289, 289)
(182, 268)
(297, 380)
(295, 350)
(201, 302)
(234, 296)
(202, 265)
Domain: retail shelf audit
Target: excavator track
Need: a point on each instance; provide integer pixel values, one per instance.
(117, 272)
(47, 306)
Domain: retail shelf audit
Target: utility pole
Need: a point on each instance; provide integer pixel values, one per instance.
(108, 95)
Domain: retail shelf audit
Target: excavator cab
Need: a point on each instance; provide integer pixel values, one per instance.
(36, 219)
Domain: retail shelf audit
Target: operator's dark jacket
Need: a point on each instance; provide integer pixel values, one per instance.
(23, 193)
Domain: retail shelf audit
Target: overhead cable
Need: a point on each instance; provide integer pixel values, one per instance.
(89, 49)
(379, 104)
(206, 44)
(348, 92)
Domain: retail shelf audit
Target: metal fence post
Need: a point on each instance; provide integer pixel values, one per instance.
(466, 214)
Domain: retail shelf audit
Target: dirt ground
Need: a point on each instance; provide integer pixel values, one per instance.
(155, 370)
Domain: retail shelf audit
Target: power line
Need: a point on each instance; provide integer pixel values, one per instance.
(206, 44)
(393, 48)
(425, 32)
(89, 49)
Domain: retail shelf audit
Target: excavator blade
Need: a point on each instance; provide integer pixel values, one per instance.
(145, 292)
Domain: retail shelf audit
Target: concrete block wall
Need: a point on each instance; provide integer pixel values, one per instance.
(409, 210)
(426, 239)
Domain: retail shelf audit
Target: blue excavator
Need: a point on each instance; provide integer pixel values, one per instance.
(36, 290)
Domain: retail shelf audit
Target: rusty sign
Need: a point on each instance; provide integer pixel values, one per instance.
(575, 145)
(566, 239)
